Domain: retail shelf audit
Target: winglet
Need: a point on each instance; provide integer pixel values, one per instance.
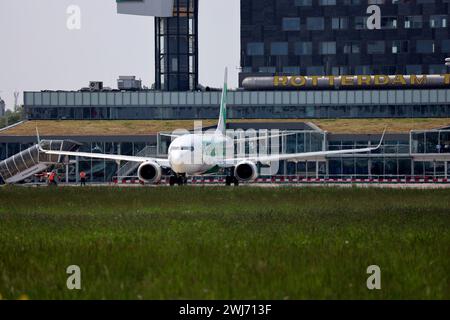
(382, 139)
(37, 136)
(39, 140)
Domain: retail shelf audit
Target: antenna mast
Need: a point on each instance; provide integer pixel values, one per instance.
(16, 100)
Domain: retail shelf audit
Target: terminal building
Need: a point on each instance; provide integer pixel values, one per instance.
(332, 37)
(413, 148)
(309, 67)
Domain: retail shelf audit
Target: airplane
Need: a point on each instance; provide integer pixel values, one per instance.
(183, 149)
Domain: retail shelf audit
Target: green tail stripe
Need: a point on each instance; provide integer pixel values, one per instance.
(224, 104)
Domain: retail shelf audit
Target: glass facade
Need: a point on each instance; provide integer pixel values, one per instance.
(176, 44)
(430, 142)
(424, 154)
(413, 37)
(153, 105)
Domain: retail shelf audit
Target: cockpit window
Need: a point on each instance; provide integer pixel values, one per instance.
(183, 148)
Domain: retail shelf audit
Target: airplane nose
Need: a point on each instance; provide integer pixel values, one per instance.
(176, 158)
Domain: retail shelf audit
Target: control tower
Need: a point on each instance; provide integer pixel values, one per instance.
(176, 40)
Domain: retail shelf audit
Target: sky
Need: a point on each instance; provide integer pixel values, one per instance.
(38, 51)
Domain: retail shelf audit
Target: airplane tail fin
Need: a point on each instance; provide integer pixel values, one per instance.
(222, 125)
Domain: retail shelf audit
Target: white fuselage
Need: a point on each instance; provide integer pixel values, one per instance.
(195, 154)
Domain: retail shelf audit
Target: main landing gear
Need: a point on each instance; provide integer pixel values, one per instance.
(180, 180)
(229, 180)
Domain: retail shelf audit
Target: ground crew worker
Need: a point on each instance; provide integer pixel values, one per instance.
(83, 178)
(52, 179)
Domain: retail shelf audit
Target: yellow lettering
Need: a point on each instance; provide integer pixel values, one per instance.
(381, 80)
(315, 80)
(446, 78)
(331, 81)
(298, 81)
(347, 81)
(399, 79)
(280, 81)
(364, 80)
(418, 80)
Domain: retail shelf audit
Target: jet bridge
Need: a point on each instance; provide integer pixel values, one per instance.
(31, 161)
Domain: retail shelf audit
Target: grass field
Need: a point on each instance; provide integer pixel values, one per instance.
(217, 243)
(152, 127)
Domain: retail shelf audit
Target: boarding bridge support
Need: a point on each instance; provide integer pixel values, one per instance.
(32, 161)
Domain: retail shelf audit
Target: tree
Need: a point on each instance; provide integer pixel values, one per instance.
(12, 117)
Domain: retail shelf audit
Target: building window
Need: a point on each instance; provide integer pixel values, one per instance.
(327, 2)
(255, 49)
(439, 21)
(340, 23)
(363, 70)
(375, 47)
(267, 69)
(352, 47)
(279, 49)
(327, 47)
(445, 46)
(413, 22)
(414, 69)
(339, 71)
(315, 23)
(303, 48)
(400, 46)
(315, 71)
(425, 46)
(360, 23)
(291, 24)
(389, 22)
(388, 70)
(303, 3)
(437, 69)
(291, 70)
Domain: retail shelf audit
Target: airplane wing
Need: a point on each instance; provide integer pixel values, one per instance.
(174, 136)
(162, 162)
(253, 139)
(298, 156)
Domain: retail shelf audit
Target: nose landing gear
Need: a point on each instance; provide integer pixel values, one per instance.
(180, 180)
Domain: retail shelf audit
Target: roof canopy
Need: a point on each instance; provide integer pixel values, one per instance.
(154, 8)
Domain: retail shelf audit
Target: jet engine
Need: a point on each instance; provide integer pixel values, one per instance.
(150, 172)
(246, 171)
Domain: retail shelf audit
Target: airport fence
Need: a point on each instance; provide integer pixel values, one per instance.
(211, 180)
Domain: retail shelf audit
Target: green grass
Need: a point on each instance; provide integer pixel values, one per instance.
(217, 243)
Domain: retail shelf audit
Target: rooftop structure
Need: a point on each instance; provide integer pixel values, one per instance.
(176, 40)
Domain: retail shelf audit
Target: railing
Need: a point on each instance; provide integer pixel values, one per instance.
(289, 179)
